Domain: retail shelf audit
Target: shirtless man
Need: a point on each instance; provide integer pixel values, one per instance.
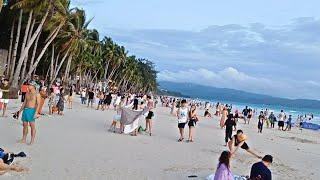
(237, 141)
(29, 114)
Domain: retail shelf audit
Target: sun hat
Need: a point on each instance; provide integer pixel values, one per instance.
(242, 137)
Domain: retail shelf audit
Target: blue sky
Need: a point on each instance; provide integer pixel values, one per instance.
(266, 46)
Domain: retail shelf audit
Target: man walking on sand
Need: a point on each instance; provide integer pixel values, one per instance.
(5, 95)
(29, 114)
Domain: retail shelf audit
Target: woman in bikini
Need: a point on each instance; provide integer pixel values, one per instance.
(193, 119)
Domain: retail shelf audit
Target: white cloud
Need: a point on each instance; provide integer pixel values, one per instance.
(270, 60)
(232, 78)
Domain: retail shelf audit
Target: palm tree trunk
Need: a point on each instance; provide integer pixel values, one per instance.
(56, 64)
(66, 73)
(26, 50)
(59, 67)
(43, 51)
(106, 70)
(23, 73)
(34, 51)
(10, 49)
(52, 63)
(15, 49)
(112, 72)
(26, 32)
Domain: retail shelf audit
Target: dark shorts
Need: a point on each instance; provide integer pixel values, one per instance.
(90, 100)
(281, 123)
(181, 125)
(192, 123)
(245, 146)
(150, 115)
(100, 102)
(107, 102)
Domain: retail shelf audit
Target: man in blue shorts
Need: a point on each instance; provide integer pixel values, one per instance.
(29, 114)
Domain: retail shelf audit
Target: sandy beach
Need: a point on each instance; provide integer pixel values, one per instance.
(78, 146)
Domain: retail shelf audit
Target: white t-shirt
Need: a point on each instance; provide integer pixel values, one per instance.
(281, 116)
(183, 115)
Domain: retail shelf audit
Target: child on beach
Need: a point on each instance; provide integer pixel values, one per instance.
(193, 119)
(116, 118)
(51, 101)
(182, 118)
(289, 123)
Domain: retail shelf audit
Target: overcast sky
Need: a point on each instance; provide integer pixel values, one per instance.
(266, 46)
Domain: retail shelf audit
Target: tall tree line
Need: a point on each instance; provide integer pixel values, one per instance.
(52, 40)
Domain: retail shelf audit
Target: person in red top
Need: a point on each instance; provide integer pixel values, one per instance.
(24, 90)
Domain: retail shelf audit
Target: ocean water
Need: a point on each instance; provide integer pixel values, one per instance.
(276, 109)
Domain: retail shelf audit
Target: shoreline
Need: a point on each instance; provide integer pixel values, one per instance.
(77, 146)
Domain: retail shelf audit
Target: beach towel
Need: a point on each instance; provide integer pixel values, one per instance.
(130, 119)
(128, 116)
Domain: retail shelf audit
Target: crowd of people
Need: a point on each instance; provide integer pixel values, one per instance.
(130, 108)
(186, 113)
(33, 95)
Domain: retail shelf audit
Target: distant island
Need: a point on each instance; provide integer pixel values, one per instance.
(225, 94)
(164, 92)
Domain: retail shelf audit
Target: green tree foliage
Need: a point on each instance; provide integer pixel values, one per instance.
(49, 39)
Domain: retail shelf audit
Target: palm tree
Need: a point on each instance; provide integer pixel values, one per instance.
(71, 37)
(57, 10)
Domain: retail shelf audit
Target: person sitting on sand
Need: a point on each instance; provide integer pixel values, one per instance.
(223, 170)
(182, 118)
(207, 113)
(260, 170)
(237, 141)
(4, 168)
(6, 159)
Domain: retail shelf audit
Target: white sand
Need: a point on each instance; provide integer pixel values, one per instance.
(77, 146)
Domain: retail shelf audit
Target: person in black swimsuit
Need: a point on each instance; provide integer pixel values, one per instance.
(107, 101)
(229, 124)
(237, 141)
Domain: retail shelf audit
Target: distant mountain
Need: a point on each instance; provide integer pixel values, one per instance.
(164, 92)
(225, 94)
